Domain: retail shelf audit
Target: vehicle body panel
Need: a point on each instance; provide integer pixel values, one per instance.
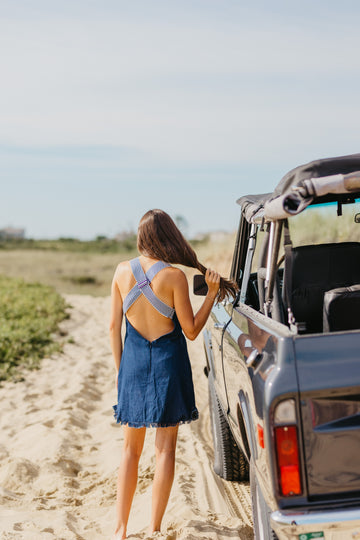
(219, 319)
(328, 369)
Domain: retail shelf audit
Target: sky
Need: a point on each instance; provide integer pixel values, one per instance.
(110, 107)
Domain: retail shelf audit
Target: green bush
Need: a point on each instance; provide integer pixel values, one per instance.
(29, 318)
(100, 245)
(82, 280)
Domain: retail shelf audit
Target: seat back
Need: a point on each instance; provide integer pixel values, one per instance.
(316, 269)
(342, 309)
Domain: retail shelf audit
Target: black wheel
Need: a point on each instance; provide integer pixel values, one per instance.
(229, 462)
(260, 511)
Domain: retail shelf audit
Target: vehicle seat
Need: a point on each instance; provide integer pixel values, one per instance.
(342, 309)
(316, 269)
(252, 295)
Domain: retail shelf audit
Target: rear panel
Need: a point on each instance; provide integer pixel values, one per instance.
(329, 381)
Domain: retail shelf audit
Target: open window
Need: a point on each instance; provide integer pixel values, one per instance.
(240, 251)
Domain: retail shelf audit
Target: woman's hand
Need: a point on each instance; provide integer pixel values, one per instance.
(192, 325)
(116, 316)
(212, 279)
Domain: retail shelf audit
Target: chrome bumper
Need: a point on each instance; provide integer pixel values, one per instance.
(338, 524)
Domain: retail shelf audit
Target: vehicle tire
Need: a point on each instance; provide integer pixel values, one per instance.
(260, 510)
(229, 461)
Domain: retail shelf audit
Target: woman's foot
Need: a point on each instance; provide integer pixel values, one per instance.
(154, 534)
(119, 535)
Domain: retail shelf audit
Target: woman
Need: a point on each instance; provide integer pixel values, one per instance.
(153, 373)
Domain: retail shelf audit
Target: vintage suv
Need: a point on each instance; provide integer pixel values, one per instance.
(283, 358)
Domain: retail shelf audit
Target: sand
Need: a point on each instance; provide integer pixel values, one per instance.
(60, 449)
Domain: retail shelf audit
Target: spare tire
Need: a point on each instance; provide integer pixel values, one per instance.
(230, 462)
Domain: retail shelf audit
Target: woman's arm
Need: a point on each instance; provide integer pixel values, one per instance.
(192, 325)
(115, 323)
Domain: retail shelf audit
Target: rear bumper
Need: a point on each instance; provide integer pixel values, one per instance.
(336, 524)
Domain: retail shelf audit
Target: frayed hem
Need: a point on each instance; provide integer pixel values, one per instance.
(194, 416)
(154, 424)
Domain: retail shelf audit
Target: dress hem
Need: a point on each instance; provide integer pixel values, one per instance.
(154, 424)
(194, 416)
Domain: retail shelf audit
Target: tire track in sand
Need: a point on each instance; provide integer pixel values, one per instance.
(60, 450)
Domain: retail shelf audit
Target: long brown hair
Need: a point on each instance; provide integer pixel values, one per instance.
(159, 237)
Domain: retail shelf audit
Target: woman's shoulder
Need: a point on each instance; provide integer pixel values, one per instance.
(122, 268)
(174, 270)
(175, 275)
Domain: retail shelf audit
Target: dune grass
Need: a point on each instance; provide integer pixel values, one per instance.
(67, 272)
(87, 272)
(101, 244)
(321, 224)
(31, 305)
(29, 318)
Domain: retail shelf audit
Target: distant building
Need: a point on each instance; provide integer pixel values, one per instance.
(9, 233)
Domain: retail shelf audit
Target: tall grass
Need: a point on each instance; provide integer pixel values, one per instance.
(29, 318)
(321, 225)
(217, 251)
(67, 272)
(318, 225)
(30, 312)
(99, 245)
(87, 272)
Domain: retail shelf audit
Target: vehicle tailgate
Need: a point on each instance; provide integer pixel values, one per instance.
(328, 367)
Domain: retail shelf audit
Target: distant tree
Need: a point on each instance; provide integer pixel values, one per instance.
(182, 223)
(100, 237)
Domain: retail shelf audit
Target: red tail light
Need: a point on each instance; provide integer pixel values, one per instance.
(287, 451)
(260, 431)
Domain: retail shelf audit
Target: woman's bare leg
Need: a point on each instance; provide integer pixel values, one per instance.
(165, 445)
(127, 477)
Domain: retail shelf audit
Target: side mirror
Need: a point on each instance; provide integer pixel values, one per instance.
(253, 358)
(200, 288)
(357, 218)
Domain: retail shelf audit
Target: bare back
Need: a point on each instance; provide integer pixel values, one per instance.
(142, 315)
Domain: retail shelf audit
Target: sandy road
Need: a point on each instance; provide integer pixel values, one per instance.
(60, 450)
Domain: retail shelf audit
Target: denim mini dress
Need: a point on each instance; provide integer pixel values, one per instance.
(155, 385)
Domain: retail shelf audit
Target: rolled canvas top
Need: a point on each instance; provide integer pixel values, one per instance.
(257, 207)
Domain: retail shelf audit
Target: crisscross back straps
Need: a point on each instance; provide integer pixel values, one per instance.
(142, 286)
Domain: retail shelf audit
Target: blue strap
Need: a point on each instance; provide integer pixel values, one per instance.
(154, 269)
(143, 286)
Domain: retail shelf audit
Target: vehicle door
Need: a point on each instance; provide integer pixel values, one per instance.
(249, 354)
(221, 316)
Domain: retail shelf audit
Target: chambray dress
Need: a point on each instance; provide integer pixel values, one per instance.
(155, 386)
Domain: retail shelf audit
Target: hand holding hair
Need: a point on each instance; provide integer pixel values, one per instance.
(212, 279)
